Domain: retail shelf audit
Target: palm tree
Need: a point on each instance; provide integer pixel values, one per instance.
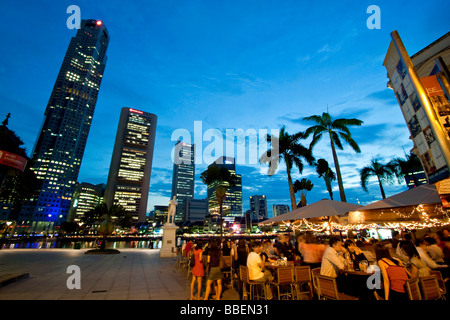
(405, 167)
(336, 130)
(222, 179)
(291, 151)
(384, 174)
(304, 184)
(107, 218)
(325, 172)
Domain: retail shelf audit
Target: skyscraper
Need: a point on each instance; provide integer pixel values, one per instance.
(86, 197)
(60, 146)
(131, 162)
(183, 177)
(258, 207)
(232, 206)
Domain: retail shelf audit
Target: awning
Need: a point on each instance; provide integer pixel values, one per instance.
(322, 208)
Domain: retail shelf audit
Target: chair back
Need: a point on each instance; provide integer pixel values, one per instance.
(440, 280)
(243, 273)
(314, 273)
(228, 261)
(302, 274)
(430, 288)
(412, 287)
(285, 275)
(327, 287)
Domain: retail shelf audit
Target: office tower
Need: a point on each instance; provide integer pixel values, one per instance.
(160, 214)
(278, 209)
(59, 149)
(131, 162)
(196, 209)
(232, 206)
(258, 207)
(86, 197)
(183, 177)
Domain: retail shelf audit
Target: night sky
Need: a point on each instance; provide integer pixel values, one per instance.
(231, 65)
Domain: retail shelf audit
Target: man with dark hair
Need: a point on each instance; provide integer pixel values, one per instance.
(332, 261)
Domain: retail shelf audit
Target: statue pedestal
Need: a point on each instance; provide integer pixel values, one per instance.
(168, 248)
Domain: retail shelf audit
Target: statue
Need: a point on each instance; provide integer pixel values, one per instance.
(172, 210)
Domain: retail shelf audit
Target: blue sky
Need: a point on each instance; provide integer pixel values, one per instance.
(231, 65)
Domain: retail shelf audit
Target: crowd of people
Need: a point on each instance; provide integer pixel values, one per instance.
(398, 259)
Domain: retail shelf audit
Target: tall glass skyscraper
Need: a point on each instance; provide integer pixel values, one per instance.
(60, 146)
(183, 177)
(232, 206)
(131, 163)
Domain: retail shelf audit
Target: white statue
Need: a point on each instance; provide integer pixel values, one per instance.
(172, 209)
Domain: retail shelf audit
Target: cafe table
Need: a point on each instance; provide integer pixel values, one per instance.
(354, 283)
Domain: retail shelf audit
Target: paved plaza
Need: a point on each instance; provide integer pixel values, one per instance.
(134, 274)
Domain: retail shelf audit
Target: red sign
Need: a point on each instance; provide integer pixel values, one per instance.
(12, 160)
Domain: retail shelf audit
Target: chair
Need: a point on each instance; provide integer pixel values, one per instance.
(284, 277)
(228, 271)
(412, 287)
(441, 282)
(314, 273)
(328, 289)
(243, 273)
(302, 276)
(430, 288)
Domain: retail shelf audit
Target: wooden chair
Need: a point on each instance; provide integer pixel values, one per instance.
(430, 288)
(228, 271)
(412, 287)
(302, 276)
(328, 289)
(284, 278)
(243, 273)
(314, 273)
(441, 282)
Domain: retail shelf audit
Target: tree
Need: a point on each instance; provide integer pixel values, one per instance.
(337, 129)
(404, 167)
(292, 152)
(384, 174)
(304, 184)
(325, 172)
(222, 179)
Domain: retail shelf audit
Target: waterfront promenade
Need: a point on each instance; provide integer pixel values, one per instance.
(134, 274)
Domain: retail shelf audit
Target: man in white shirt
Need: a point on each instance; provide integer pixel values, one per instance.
(422, 250)
(255, 266)
(332, 262)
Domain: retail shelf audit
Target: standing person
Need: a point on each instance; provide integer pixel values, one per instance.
(255, 265)
(394, 274)
(198, 271)
(215, 274)
(240, 259)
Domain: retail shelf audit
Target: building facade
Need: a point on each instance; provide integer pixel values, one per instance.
(196, 209)
(278, 209)
(86, 197)
(131, 162)
(60, 146)
(421, 86)
(183, 179)
(258, 207)
(232, 206)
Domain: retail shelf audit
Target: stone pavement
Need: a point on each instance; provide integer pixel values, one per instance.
(134, 274)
